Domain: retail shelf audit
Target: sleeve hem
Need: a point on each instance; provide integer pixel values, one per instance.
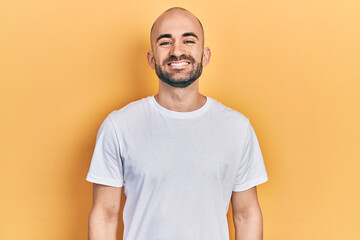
(103, 181)
(250, 184)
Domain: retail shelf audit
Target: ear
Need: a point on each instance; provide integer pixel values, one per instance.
(206, 56)
(150, 59)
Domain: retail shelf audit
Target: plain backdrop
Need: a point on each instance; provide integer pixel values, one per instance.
(291, 67)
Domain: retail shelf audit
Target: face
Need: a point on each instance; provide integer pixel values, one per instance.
(178, 55)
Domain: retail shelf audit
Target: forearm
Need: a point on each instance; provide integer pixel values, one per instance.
(249, 227)
(102, 226)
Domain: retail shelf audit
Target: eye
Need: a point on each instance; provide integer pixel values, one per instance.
(189, 42)
(165, 43)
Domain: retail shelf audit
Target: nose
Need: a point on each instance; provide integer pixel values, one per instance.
(176, 49)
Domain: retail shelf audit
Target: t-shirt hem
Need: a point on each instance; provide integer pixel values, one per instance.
(250, 184)
(103, 181)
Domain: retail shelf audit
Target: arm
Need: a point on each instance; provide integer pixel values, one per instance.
(247, 215)
(103, 219)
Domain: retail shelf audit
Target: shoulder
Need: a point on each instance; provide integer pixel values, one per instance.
(129, 115)
(228, 115)
(131, 110)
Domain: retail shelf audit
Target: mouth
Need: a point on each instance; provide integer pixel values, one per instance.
(179, 64)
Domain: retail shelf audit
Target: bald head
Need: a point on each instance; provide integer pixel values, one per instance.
(173, 18)
(177, 50)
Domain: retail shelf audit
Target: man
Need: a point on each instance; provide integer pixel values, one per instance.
(180, 156)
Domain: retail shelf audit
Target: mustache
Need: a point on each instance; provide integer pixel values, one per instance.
(173, 58)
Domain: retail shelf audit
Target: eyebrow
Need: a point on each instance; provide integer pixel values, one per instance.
(167, 35)
(190, 34)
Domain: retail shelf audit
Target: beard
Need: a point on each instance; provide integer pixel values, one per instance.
(182, 82)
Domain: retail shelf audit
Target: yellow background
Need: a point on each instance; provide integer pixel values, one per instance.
(292, 67)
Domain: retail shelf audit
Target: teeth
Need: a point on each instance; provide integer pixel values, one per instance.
(179, 64)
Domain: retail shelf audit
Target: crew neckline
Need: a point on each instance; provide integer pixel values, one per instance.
(181, 115)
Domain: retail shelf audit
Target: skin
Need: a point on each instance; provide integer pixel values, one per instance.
(104, 216)
(173, 24)
(176, 23)
(247, 215)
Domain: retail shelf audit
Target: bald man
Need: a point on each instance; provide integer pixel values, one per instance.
(180, 156)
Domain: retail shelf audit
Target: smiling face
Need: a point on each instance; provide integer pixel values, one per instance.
(178, 53)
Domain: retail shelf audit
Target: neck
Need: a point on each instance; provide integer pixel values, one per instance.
(180, 99)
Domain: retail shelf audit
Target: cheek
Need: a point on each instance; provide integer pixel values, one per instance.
(198, 54)
(199, 58)
(160, 57)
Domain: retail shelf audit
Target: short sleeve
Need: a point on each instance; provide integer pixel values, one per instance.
(106, 167)
(251, 170)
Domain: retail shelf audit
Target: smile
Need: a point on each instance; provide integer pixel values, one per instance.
(179, 63)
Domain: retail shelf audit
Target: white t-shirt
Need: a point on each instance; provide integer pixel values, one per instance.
(178, 169)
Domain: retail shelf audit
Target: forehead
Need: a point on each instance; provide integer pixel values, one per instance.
(176, 23)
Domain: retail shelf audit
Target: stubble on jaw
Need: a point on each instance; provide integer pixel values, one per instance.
(184, 82)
